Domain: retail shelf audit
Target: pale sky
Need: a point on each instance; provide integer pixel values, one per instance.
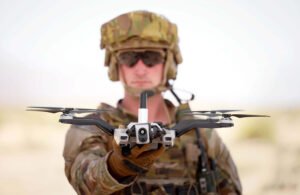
(236, 53)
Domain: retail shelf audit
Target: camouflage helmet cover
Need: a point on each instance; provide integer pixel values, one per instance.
(140, 29)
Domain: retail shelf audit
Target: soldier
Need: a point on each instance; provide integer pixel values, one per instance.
(142, 52)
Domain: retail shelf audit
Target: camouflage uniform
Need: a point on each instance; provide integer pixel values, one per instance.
(87, 148)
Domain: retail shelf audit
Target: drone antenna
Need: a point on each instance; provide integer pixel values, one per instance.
(143, 110)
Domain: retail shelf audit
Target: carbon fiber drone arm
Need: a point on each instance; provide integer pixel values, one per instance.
(186, 125)
(87, 121)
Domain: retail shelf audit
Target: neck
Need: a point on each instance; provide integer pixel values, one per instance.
(157, 109)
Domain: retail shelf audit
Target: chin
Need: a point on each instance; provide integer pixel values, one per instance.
(143, 86)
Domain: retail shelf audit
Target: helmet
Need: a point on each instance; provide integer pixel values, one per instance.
(141, 30)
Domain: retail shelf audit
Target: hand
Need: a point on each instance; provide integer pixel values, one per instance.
(138, 161)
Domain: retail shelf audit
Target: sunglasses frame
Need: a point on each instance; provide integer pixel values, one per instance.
(160, 51)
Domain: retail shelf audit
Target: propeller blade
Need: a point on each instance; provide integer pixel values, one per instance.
(65, 110)
(44, 110)
(227, 115)
(204, 114)
(89, 110)
(224, 111)
(45, 107)
(211, 111)
(244, 115)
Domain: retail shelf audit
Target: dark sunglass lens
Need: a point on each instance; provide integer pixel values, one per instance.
(151, 58)
(128, 58)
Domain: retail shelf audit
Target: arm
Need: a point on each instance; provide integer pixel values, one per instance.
(86, 152)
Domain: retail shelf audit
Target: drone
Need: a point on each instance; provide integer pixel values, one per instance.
(143, 131)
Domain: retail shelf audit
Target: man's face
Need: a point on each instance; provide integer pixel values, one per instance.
(141, 70)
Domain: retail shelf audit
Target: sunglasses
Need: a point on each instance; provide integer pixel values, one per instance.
(150, 58)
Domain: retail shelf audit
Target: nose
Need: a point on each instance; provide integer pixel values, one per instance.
(140, 68)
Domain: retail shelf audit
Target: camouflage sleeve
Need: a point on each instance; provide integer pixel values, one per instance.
(85, 155)
(227, 175)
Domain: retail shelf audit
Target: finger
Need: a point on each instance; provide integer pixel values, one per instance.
(115, 146)
(136, 151)
(154, 153)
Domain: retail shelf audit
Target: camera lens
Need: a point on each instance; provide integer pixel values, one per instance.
(142, 134)
(142, 131)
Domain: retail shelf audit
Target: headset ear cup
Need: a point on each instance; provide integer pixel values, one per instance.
(107, 57)
(171, 67)
(172, 71)
(177, 55)
(113, 71)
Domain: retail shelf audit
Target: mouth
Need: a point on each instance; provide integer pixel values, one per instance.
(140, 82)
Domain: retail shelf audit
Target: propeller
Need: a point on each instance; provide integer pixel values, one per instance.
(228, 115)
(243, 115)
(65, 110)
(211, 111)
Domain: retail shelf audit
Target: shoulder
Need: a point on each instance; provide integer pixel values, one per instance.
(114, 115)
(78, 136)
(180, 110)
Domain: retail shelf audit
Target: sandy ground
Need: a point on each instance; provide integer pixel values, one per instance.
(31, 160)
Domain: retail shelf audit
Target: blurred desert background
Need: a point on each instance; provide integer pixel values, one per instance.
(237, 55)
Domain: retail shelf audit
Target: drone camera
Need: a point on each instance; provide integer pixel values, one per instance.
(142, 133)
